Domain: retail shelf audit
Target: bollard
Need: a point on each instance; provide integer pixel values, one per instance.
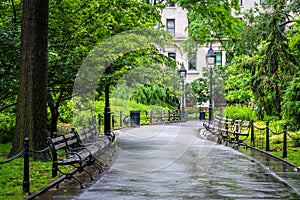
(26, 185)
(252, 133)
(267, 136)
(284, 151)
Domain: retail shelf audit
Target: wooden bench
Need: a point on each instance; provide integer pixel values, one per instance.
(70, 150)
(228, 130)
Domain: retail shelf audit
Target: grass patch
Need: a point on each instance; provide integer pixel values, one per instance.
(276, 141)
(11, 175)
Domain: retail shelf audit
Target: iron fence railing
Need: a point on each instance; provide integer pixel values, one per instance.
(25, 152)
(259, 135)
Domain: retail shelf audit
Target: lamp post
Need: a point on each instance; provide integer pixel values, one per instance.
(107, 128)
(182, 74)
(211, 62)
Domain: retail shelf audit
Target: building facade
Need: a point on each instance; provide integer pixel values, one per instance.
(174, 19)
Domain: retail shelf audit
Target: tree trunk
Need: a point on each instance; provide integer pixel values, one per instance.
(32, 94)
(54, 118)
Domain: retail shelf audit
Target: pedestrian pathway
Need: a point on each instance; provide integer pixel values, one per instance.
(173, 161)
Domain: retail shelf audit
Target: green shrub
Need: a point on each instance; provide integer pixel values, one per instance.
(296, 142)
(240, 112)
(7, 125)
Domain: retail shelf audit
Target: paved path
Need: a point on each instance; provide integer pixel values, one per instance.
(172, 162)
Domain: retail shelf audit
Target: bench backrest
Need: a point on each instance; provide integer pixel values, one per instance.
(62, 142)
(88, 135)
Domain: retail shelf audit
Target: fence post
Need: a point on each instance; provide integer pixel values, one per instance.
(226, 126)
(284, 151)
(236, 129)
(99, 122)
(267, 136)
(252, 133)
(26, 185)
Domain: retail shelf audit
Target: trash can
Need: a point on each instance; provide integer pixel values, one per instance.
(202, 116)
(134, 118)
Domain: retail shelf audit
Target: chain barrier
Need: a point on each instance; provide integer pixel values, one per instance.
(13, 158)
(267, 136)
(25, 153)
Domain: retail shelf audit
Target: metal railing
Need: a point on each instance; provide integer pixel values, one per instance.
(25, 152)
(259, 136)
(264, 143)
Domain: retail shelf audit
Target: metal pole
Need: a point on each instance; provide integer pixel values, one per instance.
(267, 137)
(252, 133)
(182, 102)
(26, 184)
(284, 151)
(210, 95)
(107, 113)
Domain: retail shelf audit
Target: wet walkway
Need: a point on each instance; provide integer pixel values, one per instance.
(171, 161)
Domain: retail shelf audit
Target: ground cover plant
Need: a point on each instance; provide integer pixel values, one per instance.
(11, 175)
(276, 140)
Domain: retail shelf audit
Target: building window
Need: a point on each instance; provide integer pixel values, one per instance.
(241, 2)
(171, 26)
(218, 58)
(172, 55)
(192, 61)
(171, 3)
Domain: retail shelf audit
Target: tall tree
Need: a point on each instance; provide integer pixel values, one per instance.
(32, 94)
(212, 19)
(274, 65)
(75, 28)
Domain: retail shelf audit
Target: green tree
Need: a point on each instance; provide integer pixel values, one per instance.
(32, 94)
(10, 19)
(212, 19)
(76, 27)
(291, 101)
(200, 89)
(237, 85)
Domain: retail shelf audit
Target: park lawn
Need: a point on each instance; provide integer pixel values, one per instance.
(276, 143)
(293, 155)
(11, 175)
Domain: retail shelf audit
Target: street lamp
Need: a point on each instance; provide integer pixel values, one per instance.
(211, 62)
(182, 74)
(107, 113)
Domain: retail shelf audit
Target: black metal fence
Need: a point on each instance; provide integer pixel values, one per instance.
(25, 153)
(260, 136)
(263, 142)
(120, 119)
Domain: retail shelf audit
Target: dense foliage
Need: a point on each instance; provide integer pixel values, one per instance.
(267, 61)
(200, 89)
